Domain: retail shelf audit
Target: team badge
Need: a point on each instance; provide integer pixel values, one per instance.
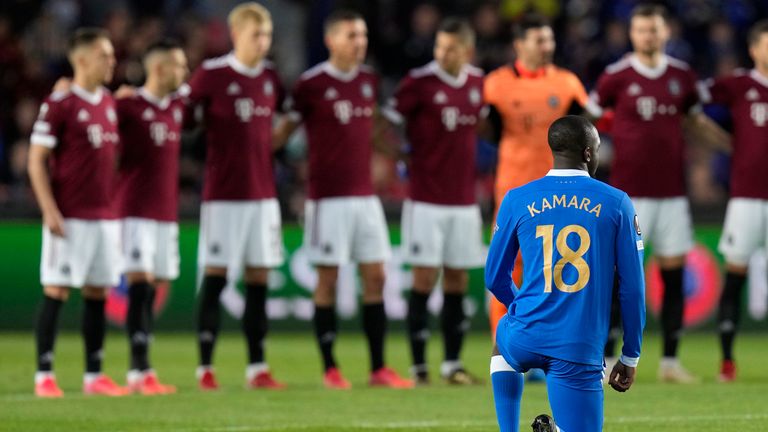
(233, 89)
(331, 94)
(43, 111)
(752, 95)
(148, 114)
(269, 88)
(367, 90)
(553, 101)
(474, 96)
(111, 115)
(177, 115)
(83, 116)
(440, 98)
(634, 89)
(674, 87)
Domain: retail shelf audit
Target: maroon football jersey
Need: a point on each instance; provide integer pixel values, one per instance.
(238, 104)
(337, 110)
(649, 106)
(441, 113)
(745, 93)
(150, 134)
(81, 128)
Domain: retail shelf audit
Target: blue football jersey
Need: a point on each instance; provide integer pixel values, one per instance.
(573, 233)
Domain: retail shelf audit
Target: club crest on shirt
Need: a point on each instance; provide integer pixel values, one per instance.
(83, 116)
(43, 111)
(474, 96)
(634, 89)
(233, 89)
(752, 95)
(553, 101)
(366, 90)
(111, 115)
(331, 94)
(674, 87)
(148, 115)
(440, 98)
(177, 115)
(269, 88)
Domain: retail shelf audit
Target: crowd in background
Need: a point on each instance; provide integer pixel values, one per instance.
(708, 34)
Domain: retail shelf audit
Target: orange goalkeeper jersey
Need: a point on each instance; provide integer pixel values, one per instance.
(528, 102)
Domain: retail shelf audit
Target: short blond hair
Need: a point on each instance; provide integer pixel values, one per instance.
(248, 11)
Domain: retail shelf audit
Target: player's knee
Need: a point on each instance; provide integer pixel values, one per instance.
(671, 262)
(736, 265)
(455, 281)
(94, 293)
(56, 292)
(138, 277)
(256, 275)
(424, 279)
(215, 271)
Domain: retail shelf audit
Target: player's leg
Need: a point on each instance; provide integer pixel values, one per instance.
(575, 394)
(326, 327)
(102, 274)
(370, 248)
(463, 250)
(507, 367)
(422, 247)
(744, 231)
(672, 239)
(263, 250)
(424, 279)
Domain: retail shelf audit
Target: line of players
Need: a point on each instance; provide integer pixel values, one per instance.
(79, 134)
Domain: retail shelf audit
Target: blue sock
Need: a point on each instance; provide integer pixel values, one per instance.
(507, 393)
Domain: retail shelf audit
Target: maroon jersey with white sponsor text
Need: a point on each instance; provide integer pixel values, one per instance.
(745, 93)
(441, 113)
(649, 106)
(150, 135)
(337, 110)
(238, 104)
(81, 128)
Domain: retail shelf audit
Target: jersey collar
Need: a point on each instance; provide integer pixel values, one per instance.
(92, 98)
(524, 72)
(567, 173)
(760, 78)
(339, 74)
(447, 78)
(149, 97)
(650, 73)
(242, 69)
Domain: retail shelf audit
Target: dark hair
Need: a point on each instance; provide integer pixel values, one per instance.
(571, 134)
(756, 31)
(527, 22)
(162, 46)
(85, 36)
(459, 28)
(340, 16)
(648, 10)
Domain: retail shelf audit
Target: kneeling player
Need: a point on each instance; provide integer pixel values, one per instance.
(72, 170)
(572, 231)
(150, 130)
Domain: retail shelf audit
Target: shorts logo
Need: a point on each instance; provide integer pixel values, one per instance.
(416, 249)
(729, 239)
(215, 249)
(136, 254)
(327, 249)
(553, 101)
(65, 270)
(637, 226)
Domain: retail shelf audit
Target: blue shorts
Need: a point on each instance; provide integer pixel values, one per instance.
(575, 389)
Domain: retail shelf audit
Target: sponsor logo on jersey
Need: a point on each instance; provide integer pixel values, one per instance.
(233, 89)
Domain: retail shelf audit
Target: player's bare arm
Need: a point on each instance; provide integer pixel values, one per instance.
(382, 137)
(702, 130)
(284, 129)
(37, 166)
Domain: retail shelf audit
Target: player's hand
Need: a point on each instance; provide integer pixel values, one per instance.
(622, 377)
(55, 222)
(125, 91)
(62, 85)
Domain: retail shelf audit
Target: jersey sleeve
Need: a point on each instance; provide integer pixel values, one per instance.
(579, 94)
(603, 95)
(196, 94)
(692, 101)
(629, 268)
(50, 121)
(281, 94)
(297, 105)
(489, 90)
(403, 103)
(502, 254)
(715, 91)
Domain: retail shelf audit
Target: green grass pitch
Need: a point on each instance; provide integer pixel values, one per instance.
(306, 406)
